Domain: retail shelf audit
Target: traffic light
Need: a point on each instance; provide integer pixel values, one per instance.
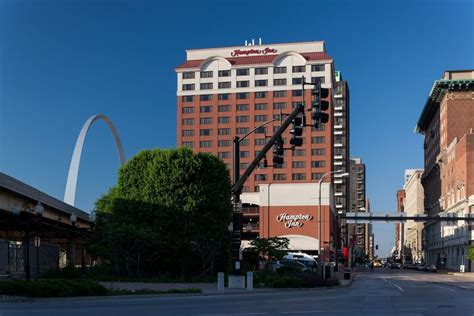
(320, 106)
(297, 131)
(376, 247)
(278, 151)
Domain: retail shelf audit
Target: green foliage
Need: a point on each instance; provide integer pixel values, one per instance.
(145, 291)
(470, 253)
(275, 247)
(168, 214)
(290, 279)
(52, 288)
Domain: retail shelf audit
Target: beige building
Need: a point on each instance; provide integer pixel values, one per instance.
(414, 196)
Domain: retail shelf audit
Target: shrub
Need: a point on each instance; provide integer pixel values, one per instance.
(52, 288)
(286, 281)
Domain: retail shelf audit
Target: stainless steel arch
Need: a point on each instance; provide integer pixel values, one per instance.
(70, 193)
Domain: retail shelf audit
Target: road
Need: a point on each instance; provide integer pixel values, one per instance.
(381, 292)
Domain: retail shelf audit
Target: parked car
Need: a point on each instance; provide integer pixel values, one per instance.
(409, 265)
(377, 263)
(293, 264)
(395, 265)
(310, 263)
(431, 268)
(420, 267)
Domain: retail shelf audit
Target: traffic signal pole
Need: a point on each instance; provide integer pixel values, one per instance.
(240, 180)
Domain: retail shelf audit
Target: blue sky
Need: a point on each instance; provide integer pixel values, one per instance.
(62, 61)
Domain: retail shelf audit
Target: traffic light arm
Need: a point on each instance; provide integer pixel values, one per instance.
(238, 185)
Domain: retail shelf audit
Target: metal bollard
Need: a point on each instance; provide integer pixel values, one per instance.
(249, 281)
(220, 282)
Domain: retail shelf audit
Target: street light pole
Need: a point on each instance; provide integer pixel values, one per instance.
(340, 175)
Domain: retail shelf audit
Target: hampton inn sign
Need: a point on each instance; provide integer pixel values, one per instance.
(296, 220)
(246, 52)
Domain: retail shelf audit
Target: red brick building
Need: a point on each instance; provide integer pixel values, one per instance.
(447, 123)
(226, 92)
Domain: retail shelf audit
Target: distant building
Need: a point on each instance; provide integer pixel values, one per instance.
(413, 231)
(447, 124)
(398, 226)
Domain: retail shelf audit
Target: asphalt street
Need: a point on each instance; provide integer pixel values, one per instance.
(381, 292)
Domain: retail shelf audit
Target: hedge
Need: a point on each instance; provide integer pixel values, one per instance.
(52, 288)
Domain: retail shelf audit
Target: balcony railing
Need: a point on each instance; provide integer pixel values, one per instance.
(250, 211)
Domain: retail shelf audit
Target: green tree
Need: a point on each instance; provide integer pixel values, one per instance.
(169, 211)
(470, 253)
(275, 247)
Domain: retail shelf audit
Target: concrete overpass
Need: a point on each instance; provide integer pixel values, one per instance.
(37, 231)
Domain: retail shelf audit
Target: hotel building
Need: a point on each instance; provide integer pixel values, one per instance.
(228, 91)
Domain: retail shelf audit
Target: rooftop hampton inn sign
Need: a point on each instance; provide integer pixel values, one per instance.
(296, 220)
(253, 51)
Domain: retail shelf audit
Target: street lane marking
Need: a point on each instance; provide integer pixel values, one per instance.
(322, 311)
(398, 287)
(445, 287)
(230, 314)
(414, 309)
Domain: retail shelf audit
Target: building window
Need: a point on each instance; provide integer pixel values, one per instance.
(295, 104)
(261, 71)
(279, 82)
(297, 80)
(298, 164)
(187, 98)
(206, 109)
(188, 75)
(223, 108)
(299, 152)
(244, 142)
(224, 73)
(242, 107)
(242, 119)
(282, 166)
(260, 95)
(188, 121)
(223, 131)
(261, 106)
(299, 68)
(261, 130)
(205, 120)
(296, 93)
(279, 70)
(315, 80)
(260, 141)
(223, 154)
(241, 130)
(242, 95)
(279, 94)
(318, 164)
(243, 72)
(261, 118)
(206, 86)
(279, 176)
(317, 140)
(318, 152)
(187, 109)
(244, 154)
(205, 143)
(279, 105)
(188, 87)
(261, 83)
(206, 74)
(188, 144)
(205, 132)
(223, 143)
(224, 120)
(206, 97)
(243, 166)
(317, 67)
(224, 85)
(243, 84)
(299, 176)
(187, 132)
(261, 177)
(224, 96)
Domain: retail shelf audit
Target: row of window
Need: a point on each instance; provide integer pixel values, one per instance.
(246, 83)
(241, 96)
(242, 107)
(246, 71)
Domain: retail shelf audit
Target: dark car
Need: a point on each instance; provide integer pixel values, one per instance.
(293, 264)
(409, 265)
(395, 265)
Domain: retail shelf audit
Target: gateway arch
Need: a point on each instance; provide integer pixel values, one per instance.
(70, 193)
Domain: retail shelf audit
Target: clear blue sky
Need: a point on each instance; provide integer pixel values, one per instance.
(62, 61)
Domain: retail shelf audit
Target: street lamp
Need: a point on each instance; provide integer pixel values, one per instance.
(339, 174)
